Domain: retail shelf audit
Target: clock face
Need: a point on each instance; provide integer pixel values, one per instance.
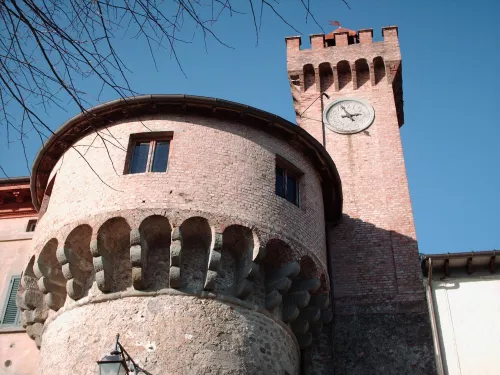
(348, 116)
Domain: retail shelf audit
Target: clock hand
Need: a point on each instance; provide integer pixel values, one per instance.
(347, 114)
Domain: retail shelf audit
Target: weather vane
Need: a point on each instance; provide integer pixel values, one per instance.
(334, 23)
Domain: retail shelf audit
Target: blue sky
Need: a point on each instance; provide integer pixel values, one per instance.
(451, 132)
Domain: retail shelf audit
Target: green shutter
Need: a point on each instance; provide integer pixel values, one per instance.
(11, 312)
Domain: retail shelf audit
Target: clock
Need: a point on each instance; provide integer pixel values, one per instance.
(348, 115)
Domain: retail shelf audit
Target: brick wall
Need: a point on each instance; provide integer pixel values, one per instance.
(218, 169)
(221, 170)
(374, 250)
(381, 323)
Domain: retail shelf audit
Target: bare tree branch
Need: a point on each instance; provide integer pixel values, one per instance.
(48, 46)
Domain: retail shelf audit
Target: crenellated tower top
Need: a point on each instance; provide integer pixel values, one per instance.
(345, 60)
(342, 37)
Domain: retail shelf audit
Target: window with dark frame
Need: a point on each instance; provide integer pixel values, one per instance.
(287, 182)
(10, 315)
(149, 153)
(31, 225)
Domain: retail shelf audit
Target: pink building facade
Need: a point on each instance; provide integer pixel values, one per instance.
(18, 353)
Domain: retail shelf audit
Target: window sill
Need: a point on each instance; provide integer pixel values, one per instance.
(11, 329)
(143, 173)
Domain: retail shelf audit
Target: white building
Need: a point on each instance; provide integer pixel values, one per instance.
(465, 311)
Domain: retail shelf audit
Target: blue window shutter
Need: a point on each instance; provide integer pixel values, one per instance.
(11, 311)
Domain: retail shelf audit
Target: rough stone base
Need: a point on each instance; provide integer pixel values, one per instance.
(383, 344)
(169, 335)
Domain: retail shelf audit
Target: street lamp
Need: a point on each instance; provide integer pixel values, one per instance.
(119, 362)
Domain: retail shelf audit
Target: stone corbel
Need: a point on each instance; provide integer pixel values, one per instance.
(54, 300)
(309, 317)
(280, 282)
(308, 323)
(273, 300)
(34, 331)
(138, 259)
(75, 270)
(52, 284)
(30, 301)
(103, 268)
(175, 259)
(299, 293)
(317, 313)
(245, 283)
(213, 261)
(250, 270)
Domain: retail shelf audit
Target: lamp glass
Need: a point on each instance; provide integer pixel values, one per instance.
(112, 365)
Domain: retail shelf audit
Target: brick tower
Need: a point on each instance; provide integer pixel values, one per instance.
(381, 320)
(196, 261)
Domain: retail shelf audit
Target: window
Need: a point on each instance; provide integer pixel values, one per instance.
(10, 316)
(149, 153)
(31, 226)
(287, 181)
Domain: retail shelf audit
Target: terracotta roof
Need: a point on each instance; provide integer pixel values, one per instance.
(338, 31)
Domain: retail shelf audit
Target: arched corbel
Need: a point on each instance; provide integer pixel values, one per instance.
(103, 269)
(214, 259)
(75, 269)
(138, 259)
(175, 259)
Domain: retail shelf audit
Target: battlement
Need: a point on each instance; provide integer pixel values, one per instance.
(346, 60)
(342, 38)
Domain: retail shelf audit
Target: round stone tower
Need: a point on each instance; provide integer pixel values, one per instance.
(193, 227)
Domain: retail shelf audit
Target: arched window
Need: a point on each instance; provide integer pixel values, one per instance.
(362, 72)
(76, 255)
(325, 76)
(344, 73)
(379, 69)
(155, 232)
(309, 78)
(237, 250)
(113, 246)
(196, 239)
